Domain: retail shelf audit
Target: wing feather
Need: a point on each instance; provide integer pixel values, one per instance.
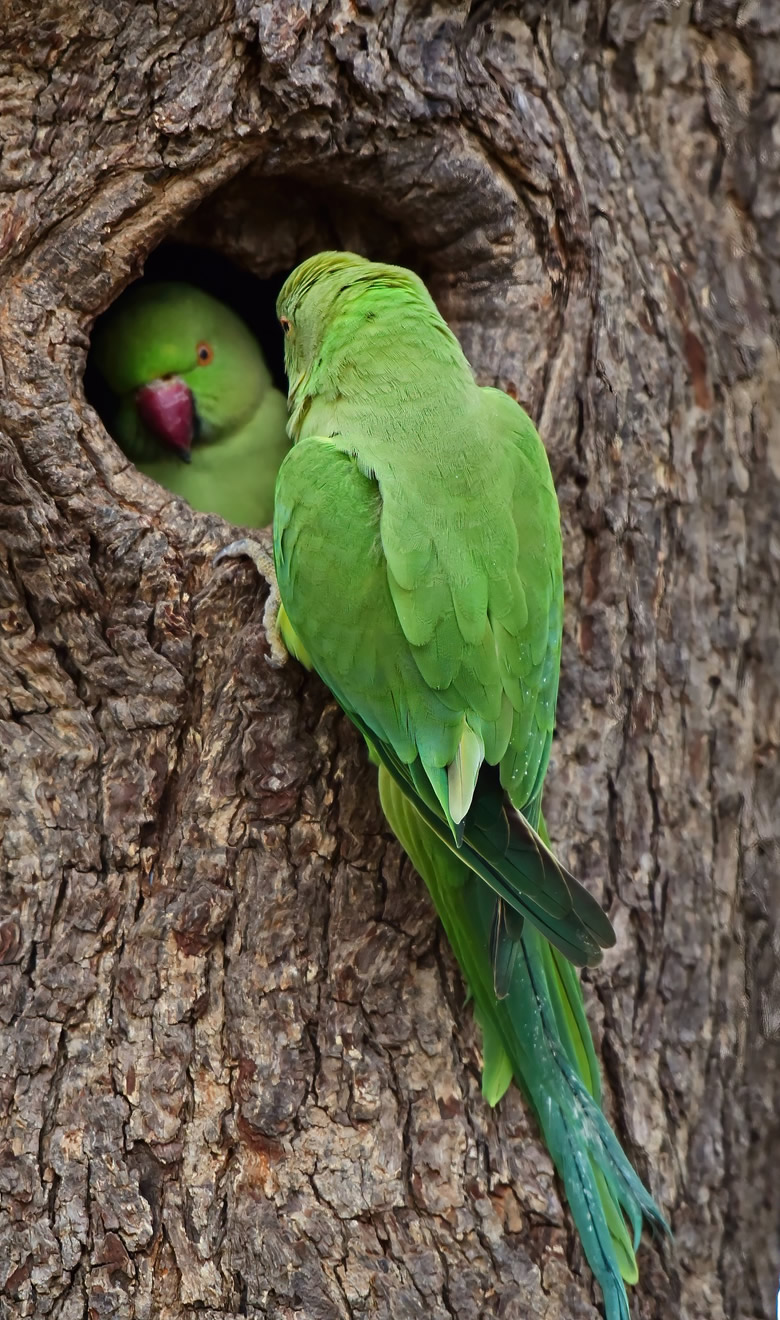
(440, 638)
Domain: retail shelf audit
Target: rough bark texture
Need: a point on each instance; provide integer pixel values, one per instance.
(237, 1074)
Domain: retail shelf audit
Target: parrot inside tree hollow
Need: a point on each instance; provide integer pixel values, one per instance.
(196, 407)
(417, 551)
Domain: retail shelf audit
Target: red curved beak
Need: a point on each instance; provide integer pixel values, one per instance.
(165, 406)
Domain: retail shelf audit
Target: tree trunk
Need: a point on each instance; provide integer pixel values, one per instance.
(238, 1073)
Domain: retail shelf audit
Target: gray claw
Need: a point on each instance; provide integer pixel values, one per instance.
(264, 564)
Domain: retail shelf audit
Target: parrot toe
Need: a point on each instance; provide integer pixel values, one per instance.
(263, 562)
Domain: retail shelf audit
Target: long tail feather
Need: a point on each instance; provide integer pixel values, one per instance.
(539, 1034)
(505, 851)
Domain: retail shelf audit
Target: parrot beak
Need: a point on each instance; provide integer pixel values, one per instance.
(165, 406)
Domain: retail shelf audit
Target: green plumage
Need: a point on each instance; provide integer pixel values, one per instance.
(153, 332)
(418, 555)
(434, 500)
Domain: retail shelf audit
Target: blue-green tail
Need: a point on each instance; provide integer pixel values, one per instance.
(538, 1034)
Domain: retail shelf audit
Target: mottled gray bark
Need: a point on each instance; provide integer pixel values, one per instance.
(238, 1076)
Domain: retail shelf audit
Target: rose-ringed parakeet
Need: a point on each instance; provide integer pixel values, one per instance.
(417, 552)
(195, 405)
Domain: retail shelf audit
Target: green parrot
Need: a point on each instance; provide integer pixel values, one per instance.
(195, 406)
(417, 555)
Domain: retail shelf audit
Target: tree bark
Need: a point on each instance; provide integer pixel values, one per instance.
(238, 1074)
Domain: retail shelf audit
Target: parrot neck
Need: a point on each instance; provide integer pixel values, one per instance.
(411, 358)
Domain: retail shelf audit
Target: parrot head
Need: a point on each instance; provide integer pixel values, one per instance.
(184, 368)
(331, 306)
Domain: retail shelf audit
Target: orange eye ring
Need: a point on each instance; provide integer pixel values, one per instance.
(285, 324)
(205, 353)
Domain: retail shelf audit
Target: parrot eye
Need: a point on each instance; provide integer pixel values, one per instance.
(205, 353)
(285, 324)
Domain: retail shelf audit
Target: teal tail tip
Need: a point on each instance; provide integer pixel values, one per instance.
(598, 1135)
(540, 1035)
(536, 1032)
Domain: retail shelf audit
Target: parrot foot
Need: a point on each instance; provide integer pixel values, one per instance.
(264, 564)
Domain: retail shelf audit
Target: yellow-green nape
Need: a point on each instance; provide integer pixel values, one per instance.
(356, 269)
(306, 275)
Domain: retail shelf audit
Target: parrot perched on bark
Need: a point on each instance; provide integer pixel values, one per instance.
(195, 406)
(417, 555)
